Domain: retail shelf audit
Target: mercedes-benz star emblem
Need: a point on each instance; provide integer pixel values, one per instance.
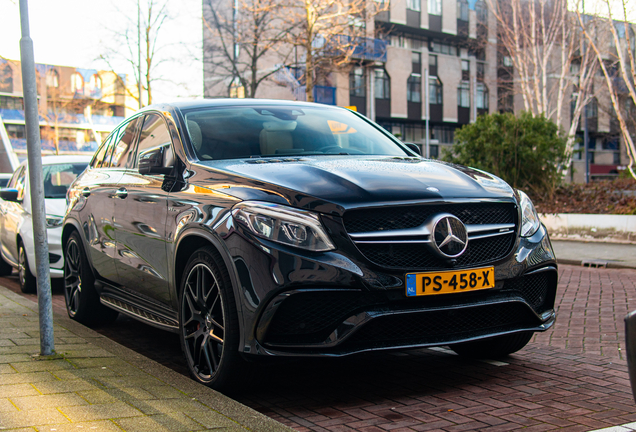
(450, 238)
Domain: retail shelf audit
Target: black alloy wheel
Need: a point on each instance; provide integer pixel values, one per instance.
(28, 282)
(208, 321)
(82, 301)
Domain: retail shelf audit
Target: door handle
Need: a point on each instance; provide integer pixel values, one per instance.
(121, 193)
(86, 192)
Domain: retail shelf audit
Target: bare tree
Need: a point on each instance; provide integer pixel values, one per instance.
(243, 37)
(330, 32)
(137, 46)
(543, 40)
(618, 66)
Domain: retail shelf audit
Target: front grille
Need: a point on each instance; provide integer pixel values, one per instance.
(533, 288)
(316, 314)
(384, 219)
(420, 257)
(443, 326)
(310, 317)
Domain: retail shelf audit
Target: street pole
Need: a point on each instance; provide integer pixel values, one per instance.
(38, 211)
(426, 104)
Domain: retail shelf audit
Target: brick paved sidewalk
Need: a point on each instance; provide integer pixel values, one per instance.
(571, 378)
(100, 385)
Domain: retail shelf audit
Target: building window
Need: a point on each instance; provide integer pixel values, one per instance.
(482, 12)
(435, 91)
(357, 82)
(443, 134)
(434, 151)
(52, 78)
(6, 78)
(9, 102)
(465, 69)
(482, 96)
(95, 82)
(481, 70)
(591, 109)
(414, 88)
(463, 95)
(413, 5)
(77, 82)
(462, 10)
(382, 84)
(435, 7)
(432, 61)
(442, 48)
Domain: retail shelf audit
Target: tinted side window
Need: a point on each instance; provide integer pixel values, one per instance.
(124, 149)
(19, 184)
(14, 178)
(154, 133)
(98, 159)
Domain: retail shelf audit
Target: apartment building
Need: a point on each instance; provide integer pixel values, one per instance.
(435, 60)
(78, 107)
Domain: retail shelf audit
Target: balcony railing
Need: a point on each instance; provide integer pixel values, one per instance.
(361, 48)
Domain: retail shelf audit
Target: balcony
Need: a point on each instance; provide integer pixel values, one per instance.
(360, 48)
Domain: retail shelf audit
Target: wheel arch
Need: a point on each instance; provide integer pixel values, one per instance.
(193, 239)
(71, 226)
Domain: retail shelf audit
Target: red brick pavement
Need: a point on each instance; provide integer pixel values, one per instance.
(570, 378)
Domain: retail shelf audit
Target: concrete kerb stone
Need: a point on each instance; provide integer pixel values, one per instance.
(243, 417)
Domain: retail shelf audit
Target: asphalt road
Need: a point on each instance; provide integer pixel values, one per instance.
(572, 377)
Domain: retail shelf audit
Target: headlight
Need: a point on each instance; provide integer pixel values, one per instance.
(529, 218)
(283, 224)
(54, 221)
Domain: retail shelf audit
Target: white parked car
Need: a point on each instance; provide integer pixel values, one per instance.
(16, 227)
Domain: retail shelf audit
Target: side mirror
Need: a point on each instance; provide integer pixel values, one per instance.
(415, 148)
(9, 195)
(151, 162)
(630, 347)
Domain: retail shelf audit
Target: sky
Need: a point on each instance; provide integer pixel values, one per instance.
(76, 32)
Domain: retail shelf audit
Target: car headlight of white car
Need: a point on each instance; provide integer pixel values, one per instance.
(54, 221)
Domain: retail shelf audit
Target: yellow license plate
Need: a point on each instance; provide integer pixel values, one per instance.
(452, 281)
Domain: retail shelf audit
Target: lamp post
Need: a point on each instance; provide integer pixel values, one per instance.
(38, 211)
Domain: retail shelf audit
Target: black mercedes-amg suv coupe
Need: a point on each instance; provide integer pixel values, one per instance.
(257, 228)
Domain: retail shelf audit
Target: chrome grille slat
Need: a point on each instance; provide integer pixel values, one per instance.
(392, 245)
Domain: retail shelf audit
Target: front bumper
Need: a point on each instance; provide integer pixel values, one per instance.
(298, 303)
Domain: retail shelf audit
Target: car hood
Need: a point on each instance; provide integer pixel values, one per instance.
(313, 182)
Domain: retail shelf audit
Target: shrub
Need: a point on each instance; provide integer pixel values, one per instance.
(525, 151)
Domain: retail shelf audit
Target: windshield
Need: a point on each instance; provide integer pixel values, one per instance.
(243, 132)
(57, 178)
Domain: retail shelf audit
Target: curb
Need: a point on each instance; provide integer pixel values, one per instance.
(237, 412)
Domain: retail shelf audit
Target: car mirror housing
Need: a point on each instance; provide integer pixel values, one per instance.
(414, 147)
(9, 195)
(151, 162)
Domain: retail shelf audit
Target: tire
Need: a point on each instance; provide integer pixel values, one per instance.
(5, 268)
(28, 283)
(498, 346)
(82, 301)
(208, 322)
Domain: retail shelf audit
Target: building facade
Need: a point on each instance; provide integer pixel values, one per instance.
(435, 60)
(78, 107)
